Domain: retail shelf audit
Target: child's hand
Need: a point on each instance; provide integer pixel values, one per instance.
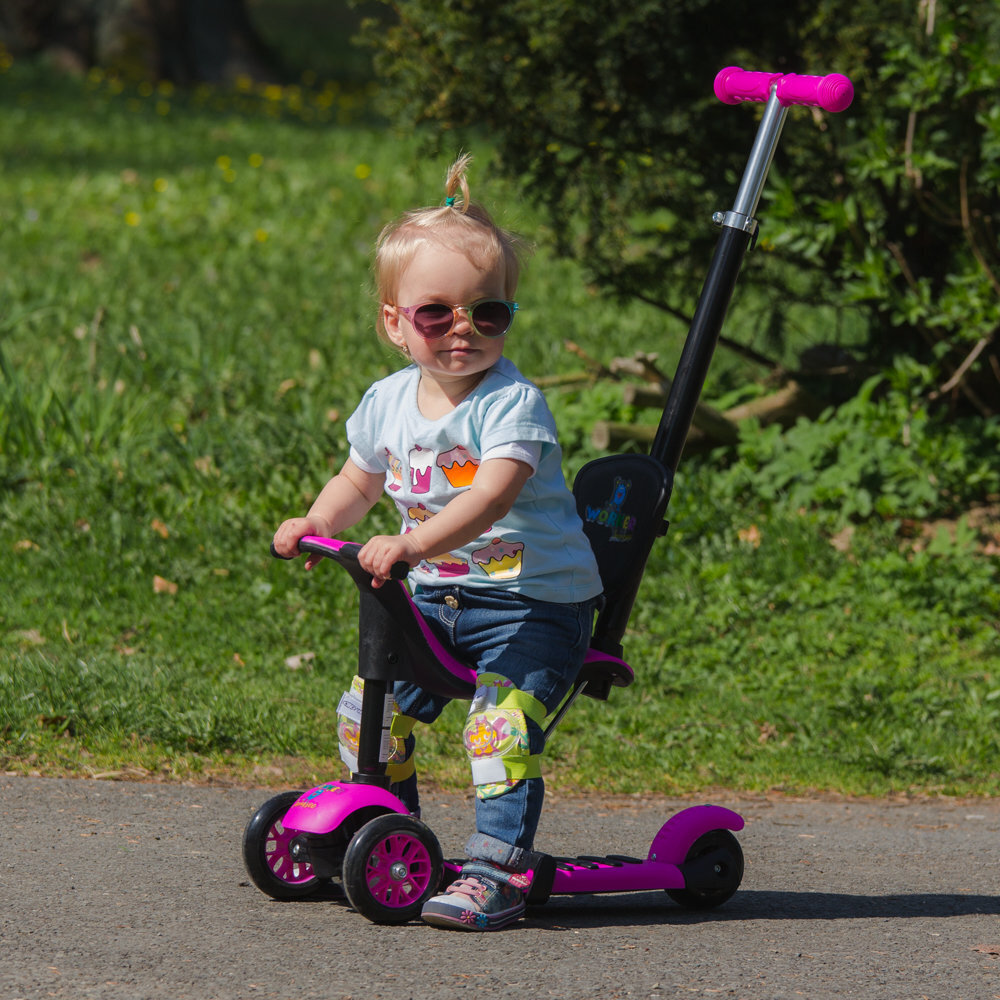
(286, 538)
(381, 552)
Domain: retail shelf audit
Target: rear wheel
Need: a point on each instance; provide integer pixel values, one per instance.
(391, 868)
(713, 870)
(267, 852)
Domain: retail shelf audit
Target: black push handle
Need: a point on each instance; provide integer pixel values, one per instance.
(349, 551)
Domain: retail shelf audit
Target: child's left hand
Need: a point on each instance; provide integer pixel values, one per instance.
(381, 552)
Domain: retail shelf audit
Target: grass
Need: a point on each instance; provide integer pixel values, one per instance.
(185, 322)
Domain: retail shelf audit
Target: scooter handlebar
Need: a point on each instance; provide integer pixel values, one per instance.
(334, 549)
(833, 92)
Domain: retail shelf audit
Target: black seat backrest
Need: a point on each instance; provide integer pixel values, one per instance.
(621, 500)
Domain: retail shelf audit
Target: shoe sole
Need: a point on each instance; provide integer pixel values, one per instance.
(471, 920)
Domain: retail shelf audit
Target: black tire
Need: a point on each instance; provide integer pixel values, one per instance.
(266, 853)
(392, 867)
(727, 871)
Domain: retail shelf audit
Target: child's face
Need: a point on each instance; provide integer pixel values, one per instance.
(437, 274)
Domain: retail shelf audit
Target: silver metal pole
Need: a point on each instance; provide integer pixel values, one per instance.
(741, 216)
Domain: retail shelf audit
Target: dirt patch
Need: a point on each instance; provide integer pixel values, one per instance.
(980, 524)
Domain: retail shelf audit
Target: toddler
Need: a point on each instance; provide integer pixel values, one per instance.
(500, 567)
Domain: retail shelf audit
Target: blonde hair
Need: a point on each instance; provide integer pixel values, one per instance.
(459, 224)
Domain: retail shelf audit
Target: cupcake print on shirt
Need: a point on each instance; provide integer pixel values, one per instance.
(458, 466)
(500, 560)
(394, 479)
(421, 465)
(449, 564)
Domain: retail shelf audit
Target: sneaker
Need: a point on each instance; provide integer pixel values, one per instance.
(484, 898)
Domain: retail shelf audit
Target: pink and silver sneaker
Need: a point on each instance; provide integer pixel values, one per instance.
(483, 898)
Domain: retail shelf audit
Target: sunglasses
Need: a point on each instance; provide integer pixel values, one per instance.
(433, 320)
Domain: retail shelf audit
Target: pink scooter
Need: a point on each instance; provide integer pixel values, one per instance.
(356, 831)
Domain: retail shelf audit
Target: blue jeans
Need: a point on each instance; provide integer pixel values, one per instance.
(539, 646)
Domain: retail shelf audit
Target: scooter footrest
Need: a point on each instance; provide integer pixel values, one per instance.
(568, 864)
(626, 860)
(604, 862)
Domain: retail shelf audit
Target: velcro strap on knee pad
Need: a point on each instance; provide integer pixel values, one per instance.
(495, 689)
(400, 764)
(401, 725)
(496, 735)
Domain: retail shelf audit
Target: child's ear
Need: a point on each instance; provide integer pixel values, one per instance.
(390, 322)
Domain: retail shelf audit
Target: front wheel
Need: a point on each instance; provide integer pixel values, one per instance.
(392, 867)
(713, 870)
(267, 852)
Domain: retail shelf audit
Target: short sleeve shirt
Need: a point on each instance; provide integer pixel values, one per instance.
(538, 548)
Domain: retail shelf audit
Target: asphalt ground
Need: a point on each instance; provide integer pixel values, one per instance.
(112, 889)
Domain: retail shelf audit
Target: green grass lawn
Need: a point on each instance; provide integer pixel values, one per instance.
(185, 323)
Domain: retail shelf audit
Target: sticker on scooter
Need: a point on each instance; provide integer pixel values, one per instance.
(309, 799)
(611, 516)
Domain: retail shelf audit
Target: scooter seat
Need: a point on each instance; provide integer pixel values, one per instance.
(602, 672)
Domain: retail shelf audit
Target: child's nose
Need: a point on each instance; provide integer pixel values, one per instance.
(463, 320)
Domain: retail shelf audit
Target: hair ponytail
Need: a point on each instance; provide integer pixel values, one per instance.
(455, 182)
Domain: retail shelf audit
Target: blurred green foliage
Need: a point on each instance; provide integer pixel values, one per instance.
(603, 113)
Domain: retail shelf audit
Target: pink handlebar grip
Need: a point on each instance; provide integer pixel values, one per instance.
(831, 93)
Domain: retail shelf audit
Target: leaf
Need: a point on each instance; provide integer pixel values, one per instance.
(988, 949)
(162, 586)
(300, 660)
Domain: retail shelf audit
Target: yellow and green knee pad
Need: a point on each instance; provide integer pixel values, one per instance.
(401, 764)
(496, 736)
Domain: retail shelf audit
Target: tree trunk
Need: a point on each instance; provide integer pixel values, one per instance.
(186, 41)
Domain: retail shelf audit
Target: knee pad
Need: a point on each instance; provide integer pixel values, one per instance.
(400, 763)
(497, 738)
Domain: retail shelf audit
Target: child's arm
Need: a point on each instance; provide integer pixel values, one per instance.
(344, 501)
(497, 484)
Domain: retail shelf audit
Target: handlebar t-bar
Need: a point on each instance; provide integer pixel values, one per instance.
(399, 570)
(833, 92)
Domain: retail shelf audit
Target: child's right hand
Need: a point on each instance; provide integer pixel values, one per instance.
(286, 538)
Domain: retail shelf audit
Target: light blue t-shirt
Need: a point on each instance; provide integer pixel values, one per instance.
(538, 549)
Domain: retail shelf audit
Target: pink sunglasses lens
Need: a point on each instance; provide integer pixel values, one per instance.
(433, 320)
(492, 319)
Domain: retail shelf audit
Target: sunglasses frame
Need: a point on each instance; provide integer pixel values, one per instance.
(410, 311)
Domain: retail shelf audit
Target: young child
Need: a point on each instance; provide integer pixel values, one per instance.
(466, 448)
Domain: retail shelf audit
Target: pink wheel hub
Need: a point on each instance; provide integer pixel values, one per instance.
(399, 869)
(277, 852)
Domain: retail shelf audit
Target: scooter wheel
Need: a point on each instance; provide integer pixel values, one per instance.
(267, 853)
(391, 868)
(727, 871)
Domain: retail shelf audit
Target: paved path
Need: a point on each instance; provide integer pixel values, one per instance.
(123, 890)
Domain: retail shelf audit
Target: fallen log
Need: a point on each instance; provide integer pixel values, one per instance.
(710, 428)
(719, 426)
(782, 407)
(612, 436)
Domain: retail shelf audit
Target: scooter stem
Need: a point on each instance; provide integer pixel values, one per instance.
(761, 155)
(738, 228)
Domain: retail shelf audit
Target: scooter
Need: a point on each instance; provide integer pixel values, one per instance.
(357, 831)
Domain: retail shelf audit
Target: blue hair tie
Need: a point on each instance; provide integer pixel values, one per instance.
(449, 202)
